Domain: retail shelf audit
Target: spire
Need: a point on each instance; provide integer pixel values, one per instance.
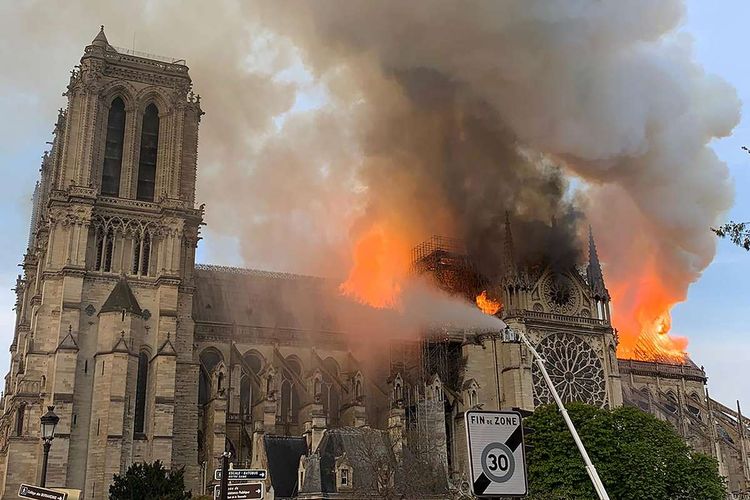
(100, 39)
(594, 271)
(121, 299)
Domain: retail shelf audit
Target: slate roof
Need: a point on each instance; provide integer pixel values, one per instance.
(364, 448)
(121, 298)
(283, 454)
(228, 295)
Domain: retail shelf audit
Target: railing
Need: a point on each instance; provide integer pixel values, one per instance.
(558, 317)
(146, 55)
(652, 367)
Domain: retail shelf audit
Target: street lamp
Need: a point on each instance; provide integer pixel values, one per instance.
(49, 422)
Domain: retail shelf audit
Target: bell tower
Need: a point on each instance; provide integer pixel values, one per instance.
(566, 314)
(104, 328)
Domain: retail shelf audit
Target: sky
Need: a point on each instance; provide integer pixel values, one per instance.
(713, 317)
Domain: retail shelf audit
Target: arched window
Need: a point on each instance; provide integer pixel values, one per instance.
(140, 394)
(136, 254)
(246, 395)
(146, 254)
(209, 358)
(113, 149)
(253, 362)
(317, 388)
(104, 249)
(289, 391)
(20, 416)
(147, 158)
(141, 254)
(330, 393)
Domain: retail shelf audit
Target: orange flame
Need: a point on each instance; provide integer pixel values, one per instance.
(641, 312)
(487, 305)
(380, 268)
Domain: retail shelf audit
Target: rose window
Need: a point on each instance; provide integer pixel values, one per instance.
(574, 368)
(559, 293)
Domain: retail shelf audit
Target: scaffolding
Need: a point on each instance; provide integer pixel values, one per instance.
(446, 261)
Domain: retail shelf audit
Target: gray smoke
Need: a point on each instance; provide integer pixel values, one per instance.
(437, 116)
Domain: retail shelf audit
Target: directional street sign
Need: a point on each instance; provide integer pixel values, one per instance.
(242, 474)
(241, 491)
(29, 491)
(496, 453)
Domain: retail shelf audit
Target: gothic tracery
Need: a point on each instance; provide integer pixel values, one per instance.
(575, 370)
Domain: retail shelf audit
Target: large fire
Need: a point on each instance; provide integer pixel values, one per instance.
(641, 313)
(487, 305)
(640, 305)
(380, 266)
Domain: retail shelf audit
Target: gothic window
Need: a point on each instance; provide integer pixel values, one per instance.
(140, 393)
(575, 369)
(20, 416)
(147, 158)
(113, 149)
(330, 392)
(136, 255)
(358, 389)
(246, 395)
(104, 249)
(209, 358)
(473, 400)
(253, 362)
(317, 389)
(145, 254)
(290, 391)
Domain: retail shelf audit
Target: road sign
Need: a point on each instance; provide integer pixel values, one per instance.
(242, 474)
(29, 491)
(496, 455)
(241, 491)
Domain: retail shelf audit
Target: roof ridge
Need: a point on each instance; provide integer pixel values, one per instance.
(254, 272)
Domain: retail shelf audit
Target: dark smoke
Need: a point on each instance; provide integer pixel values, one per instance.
(473, 167)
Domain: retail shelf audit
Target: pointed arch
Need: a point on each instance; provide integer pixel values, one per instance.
(140, 393)
(20, 418)
(148, 154)
(330, 395)
(112, 166)
(289, 389)
(209, 358)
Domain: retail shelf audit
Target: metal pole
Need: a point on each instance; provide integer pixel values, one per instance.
(224, 475)
(47, 446)
(204, 466)
(590, 469)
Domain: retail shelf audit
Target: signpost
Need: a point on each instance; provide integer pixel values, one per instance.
(242, 474)
(496, 454)
(241, 491)
(29, 491)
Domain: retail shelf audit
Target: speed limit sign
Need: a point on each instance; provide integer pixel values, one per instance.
(497, 464)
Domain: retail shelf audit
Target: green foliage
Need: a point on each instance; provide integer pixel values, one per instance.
(145, 481)
(637, 456)
(737, 232)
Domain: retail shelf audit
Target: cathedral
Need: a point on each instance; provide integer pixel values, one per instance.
(146, 355)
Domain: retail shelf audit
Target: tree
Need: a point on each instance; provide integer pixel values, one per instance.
(144, 481)
(737, 232)
(393, 471)
(637, 456)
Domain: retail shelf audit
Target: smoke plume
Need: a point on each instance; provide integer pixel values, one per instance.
(327, 119)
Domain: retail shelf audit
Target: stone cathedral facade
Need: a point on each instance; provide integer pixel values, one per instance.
(146, 355)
